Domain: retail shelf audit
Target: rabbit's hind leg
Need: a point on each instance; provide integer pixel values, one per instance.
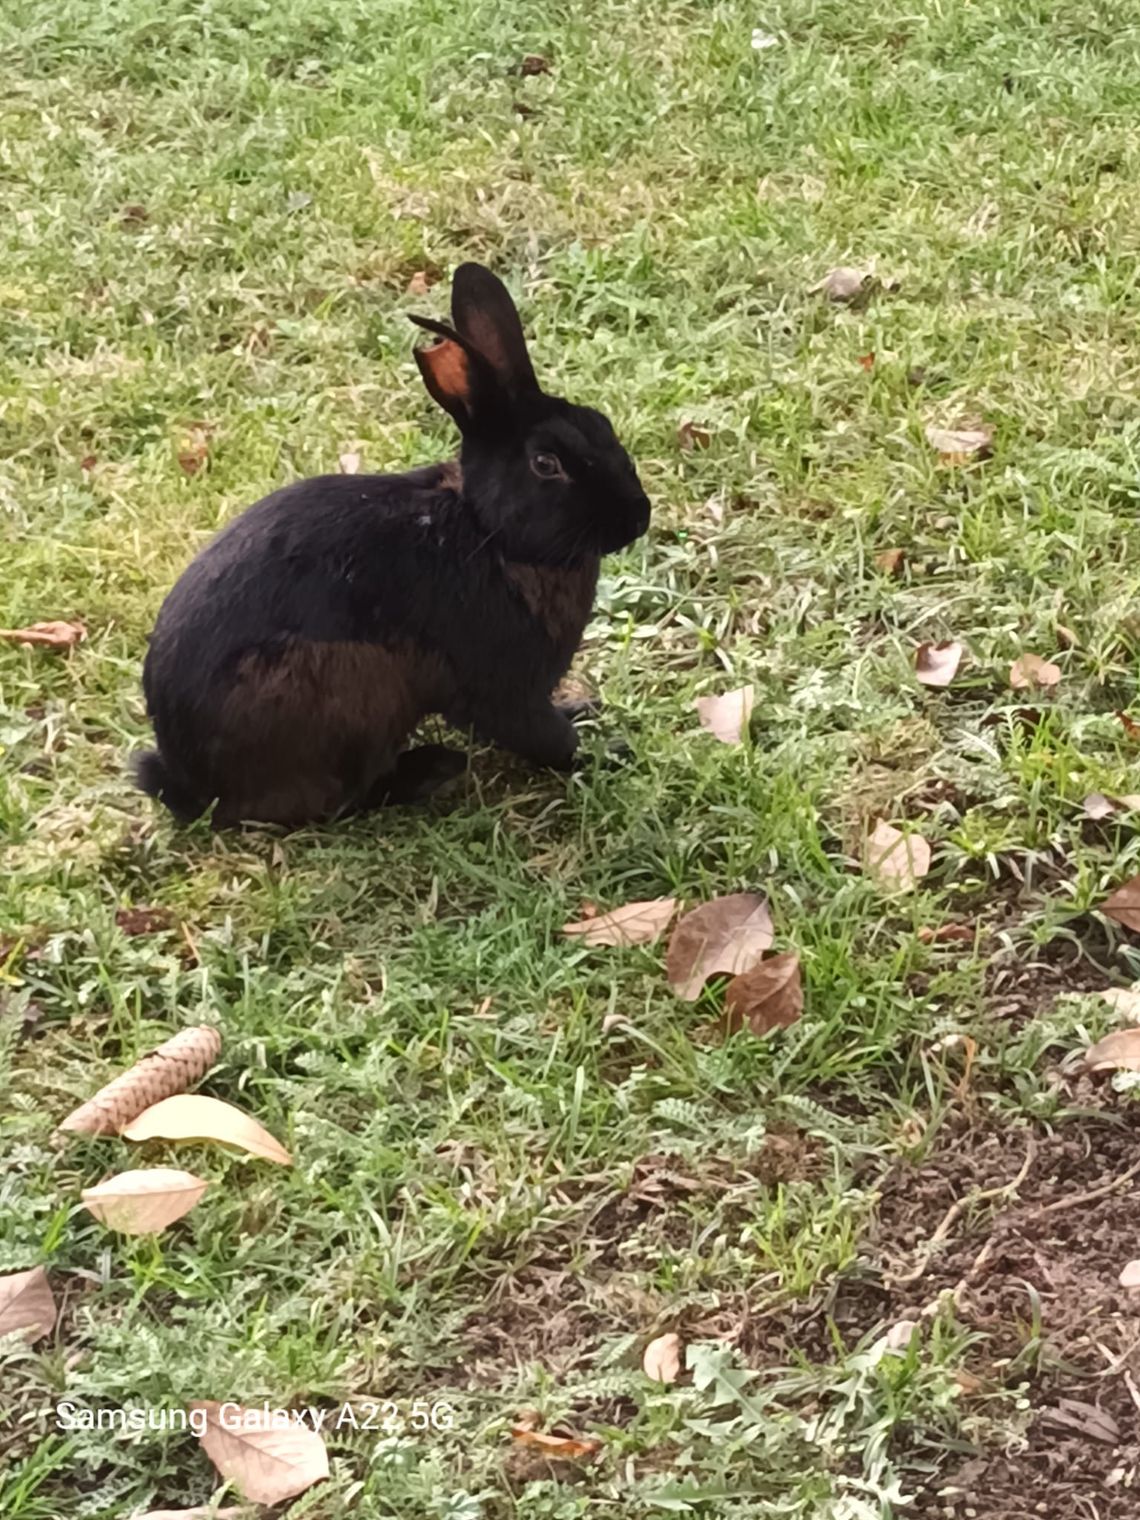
(417, 774)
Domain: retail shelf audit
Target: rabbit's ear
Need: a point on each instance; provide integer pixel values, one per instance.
(449, 371)
(485, 317)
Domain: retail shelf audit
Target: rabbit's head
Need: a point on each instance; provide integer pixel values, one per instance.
(548, 481)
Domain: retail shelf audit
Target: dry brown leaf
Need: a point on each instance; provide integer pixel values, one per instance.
(1130, 1275)
(662, 1359)
(1124, 905)
(1118, 1051)
(27, 1306)
(691, 435)
(768, 997)
(1126, 1000)
(726, 716)
(190, 1116)
(866, 361)
(195, 450)
(144, 1202)
(349, 463)
(419, 284)
(891, 561)
(1066, 636)
(898, 862)
(843, 284)
(264, 1464)
(144, 920)
(535, 63)
(558, 1448)
(638, 923)
(1097, 806)
(57, 635)
(174, 1066)
(937, 664)
(1131, 727)
(724, 937)
(958, 446)
(1085, 1419)
(1030, 670)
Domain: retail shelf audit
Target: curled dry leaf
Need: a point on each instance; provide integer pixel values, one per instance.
(843, 284)
(768, 997)
(27, 1307)
(947, 934)
(1124, 905)
(144, 1202)
(898, 862)
(866, 361)
(957, 446)
(724, 937)
(1130, 725)
(1030, 670)
(1130, 1275)
(1126, 1001)
(1119, 1051)
(174, 1066)
(193, 1117)
(265, 1464)
(937, 664)
(662, 1359)
(419, 284)
(891, 561)
(638, 923)
(691, 435)
(726, 716)
(557, 1448)
(55, 635)
(349, 463)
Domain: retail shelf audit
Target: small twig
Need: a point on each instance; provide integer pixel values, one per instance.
(956, 1210)
(1089, 1196)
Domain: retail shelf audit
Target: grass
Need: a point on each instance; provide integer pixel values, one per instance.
(212, 212)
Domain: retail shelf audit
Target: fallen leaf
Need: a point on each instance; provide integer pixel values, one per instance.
(969, 1046)
(1030, 670)
(190, 1116)
(1124, 905)
(945, 933)
(937, 664)
(1066, 636)
(264, 1464)
(195, 450)
(691, 435)
(1097, 806)
(46, 635)
(420, 283)
(726, 716)
(144, 920)
(638, 923)
(1130, 1275)
(867, 361)
(969, 1384)
(724, 937)
(900, 1335)
(1131, 727)
(1130, 802)
(1118, 1051)
(134, 215)
(1126, 1000)
(768, 997)
(662, 1359)
(535, 63)
(843, 284)
(144, 1202)
(88, 463)
(176, 1065)
(349, 464)
(958, 446)
(199, 1512)
(1085, 1419)
(558, 1448)
(27, 1307)
(891, 561)
(897, 861)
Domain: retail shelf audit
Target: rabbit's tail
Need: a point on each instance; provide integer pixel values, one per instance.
(153, 777)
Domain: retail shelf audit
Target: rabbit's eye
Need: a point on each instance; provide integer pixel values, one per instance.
(547, 466)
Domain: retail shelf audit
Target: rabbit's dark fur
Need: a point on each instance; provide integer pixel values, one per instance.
(302, 646)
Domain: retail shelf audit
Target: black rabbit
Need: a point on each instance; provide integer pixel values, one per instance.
(302, 646)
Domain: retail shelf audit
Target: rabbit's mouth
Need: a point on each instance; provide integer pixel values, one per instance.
(623, 526)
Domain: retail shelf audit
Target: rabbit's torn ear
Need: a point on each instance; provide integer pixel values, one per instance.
(487, 319)
(447, 369)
